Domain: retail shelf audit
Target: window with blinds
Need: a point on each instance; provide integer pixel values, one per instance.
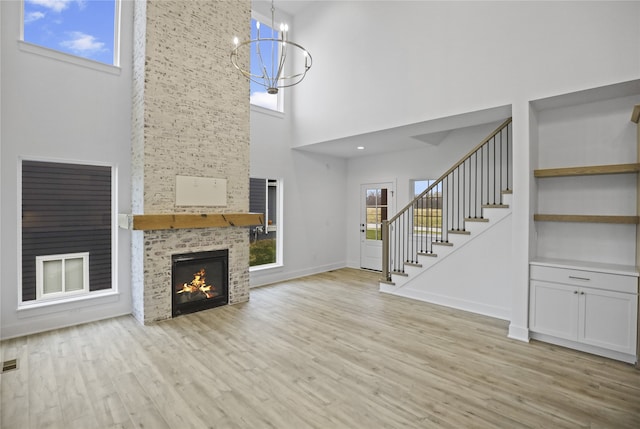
(265, 247)
(66, 210)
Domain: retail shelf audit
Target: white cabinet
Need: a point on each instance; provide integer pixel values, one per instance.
(593, 311)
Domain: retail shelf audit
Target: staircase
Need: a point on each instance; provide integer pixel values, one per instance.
(468, 208)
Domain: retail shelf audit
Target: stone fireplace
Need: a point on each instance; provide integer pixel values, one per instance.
(190, 118)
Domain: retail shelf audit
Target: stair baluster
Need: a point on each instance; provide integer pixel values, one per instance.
(441, 208)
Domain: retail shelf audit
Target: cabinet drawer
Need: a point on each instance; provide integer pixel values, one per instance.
(606, 281)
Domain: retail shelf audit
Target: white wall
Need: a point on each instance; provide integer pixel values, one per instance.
(57, 110)
(381, 64)
(314, 219)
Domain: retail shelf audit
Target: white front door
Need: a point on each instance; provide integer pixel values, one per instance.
(376, 200)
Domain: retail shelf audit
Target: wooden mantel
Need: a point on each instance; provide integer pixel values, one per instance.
(148, 222)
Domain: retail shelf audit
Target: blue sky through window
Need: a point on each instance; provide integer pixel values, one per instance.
(79, 27)
(420, 185)
(259, 96)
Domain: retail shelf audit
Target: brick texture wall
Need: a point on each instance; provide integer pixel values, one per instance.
(191, 118)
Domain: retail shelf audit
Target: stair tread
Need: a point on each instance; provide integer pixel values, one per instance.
(476, 219)
(387, 282)
(413, 264)
(433, 255)
(459, 231)
(398, 273)
(495, 206)
(507, 191)
(441, 243)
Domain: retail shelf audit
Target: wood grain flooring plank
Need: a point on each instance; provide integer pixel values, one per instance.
(323, 351)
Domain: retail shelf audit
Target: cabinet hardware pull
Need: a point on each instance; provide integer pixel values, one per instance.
(581, 293)
(579, 278)
(575, 292)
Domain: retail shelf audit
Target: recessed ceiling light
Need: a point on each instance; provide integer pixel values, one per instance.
(360, 148)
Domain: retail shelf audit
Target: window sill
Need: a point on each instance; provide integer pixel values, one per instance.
(265, 111)
(264, 267)
(68, 58)
(38, 308)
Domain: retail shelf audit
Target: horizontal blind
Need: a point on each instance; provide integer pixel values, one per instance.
(257, 195)
(66, 208)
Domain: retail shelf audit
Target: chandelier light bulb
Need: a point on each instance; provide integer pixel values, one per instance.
(236, 41)
(282, 63)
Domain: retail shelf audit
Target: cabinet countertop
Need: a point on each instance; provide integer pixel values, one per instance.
(625, 270)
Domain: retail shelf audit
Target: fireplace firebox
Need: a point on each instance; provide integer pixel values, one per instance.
(199, 281)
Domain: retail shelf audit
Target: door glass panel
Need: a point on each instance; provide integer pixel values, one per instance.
(376, 207)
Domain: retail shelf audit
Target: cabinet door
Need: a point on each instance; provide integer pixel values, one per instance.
(608, 319)
(554, 310)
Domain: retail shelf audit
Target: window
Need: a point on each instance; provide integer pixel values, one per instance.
(84, 28)
(265, 196)
(62, 275)
(67, 229)
(427, 211)
(259, 96)
(420, 186)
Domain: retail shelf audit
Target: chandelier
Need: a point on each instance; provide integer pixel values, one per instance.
(280, 62)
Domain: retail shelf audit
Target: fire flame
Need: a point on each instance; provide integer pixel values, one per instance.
(199, 283)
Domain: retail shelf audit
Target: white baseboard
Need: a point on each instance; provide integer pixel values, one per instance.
(31, 327)
(520, 333)
(448, 301)
(280, 274)
(611, 354)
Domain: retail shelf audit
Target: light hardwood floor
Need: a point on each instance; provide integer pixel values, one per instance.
(326, 351)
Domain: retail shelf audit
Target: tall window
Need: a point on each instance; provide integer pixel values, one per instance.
(84, 28)
(259, 96)
(265, 248)
(66, 229)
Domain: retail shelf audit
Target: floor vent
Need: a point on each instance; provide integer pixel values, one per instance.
(9, 365)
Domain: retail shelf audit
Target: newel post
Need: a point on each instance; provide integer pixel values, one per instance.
(385, 250)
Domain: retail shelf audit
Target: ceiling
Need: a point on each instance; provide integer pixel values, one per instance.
(407, 137)
(290, 7)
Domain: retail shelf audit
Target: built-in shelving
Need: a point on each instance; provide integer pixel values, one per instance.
(565, 274)
(586, 218)
(588, 170)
